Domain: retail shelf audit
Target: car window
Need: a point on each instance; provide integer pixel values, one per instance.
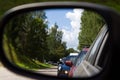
(71, 58)
(94, 50)
(80, 58)
(102, 58)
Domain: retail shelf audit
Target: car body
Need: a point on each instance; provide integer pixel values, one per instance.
(77, 61)
(63, 69)
(91, 64)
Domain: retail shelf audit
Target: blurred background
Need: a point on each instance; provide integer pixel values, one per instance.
(7, 4)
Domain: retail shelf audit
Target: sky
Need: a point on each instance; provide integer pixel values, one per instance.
(68, 21)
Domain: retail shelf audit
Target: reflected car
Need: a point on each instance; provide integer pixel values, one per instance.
(63, 69)
(77, 61)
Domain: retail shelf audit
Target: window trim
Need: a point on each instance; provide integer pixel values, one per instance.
(102, 33)
(101, 48)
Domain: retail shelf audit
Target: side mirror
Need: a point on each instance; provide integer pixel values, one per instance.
(69, 63)
(33, 34)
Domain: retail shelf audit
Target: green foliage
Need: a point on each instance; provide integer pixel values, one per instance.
(27, 35)
(56, 47)
(9, 50)
(27, 63)
(36, 39)
(90, 26)
(22, 60)
(31, 64)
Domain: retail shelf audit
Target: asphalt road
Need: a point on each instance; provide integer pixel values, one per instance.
(7, 75)
(49, 71)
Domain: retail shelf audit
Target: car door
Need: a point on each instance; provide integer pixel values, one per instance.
(90, 65)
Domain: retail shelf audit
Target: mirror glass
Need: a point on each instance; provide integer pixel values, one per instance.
(52, 41)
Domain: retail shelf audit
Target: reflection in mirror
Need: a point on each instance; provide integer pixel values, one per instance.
(42, 41)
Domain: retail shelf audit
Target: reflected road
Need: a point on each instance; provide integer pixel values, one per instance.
(49, 71)
(8, 75)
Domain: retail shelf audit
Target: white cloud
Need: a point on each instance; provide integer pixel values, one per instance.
(71, 36)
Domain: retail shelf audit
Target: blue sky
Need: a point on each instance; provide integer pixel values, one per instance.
(58, 16)
(68, 21)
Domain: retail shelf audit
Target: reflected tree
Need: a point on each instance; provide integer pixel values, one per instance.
(91, 24)
(26, 36)
(56, 47)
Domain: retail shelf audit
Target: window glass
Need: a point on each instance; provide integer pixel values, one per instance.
(102, 58)
(96, 45)
(71, 58)
(80, 57)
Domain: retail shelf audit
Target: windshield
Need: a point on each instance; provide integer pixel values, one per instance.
(71, 58)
